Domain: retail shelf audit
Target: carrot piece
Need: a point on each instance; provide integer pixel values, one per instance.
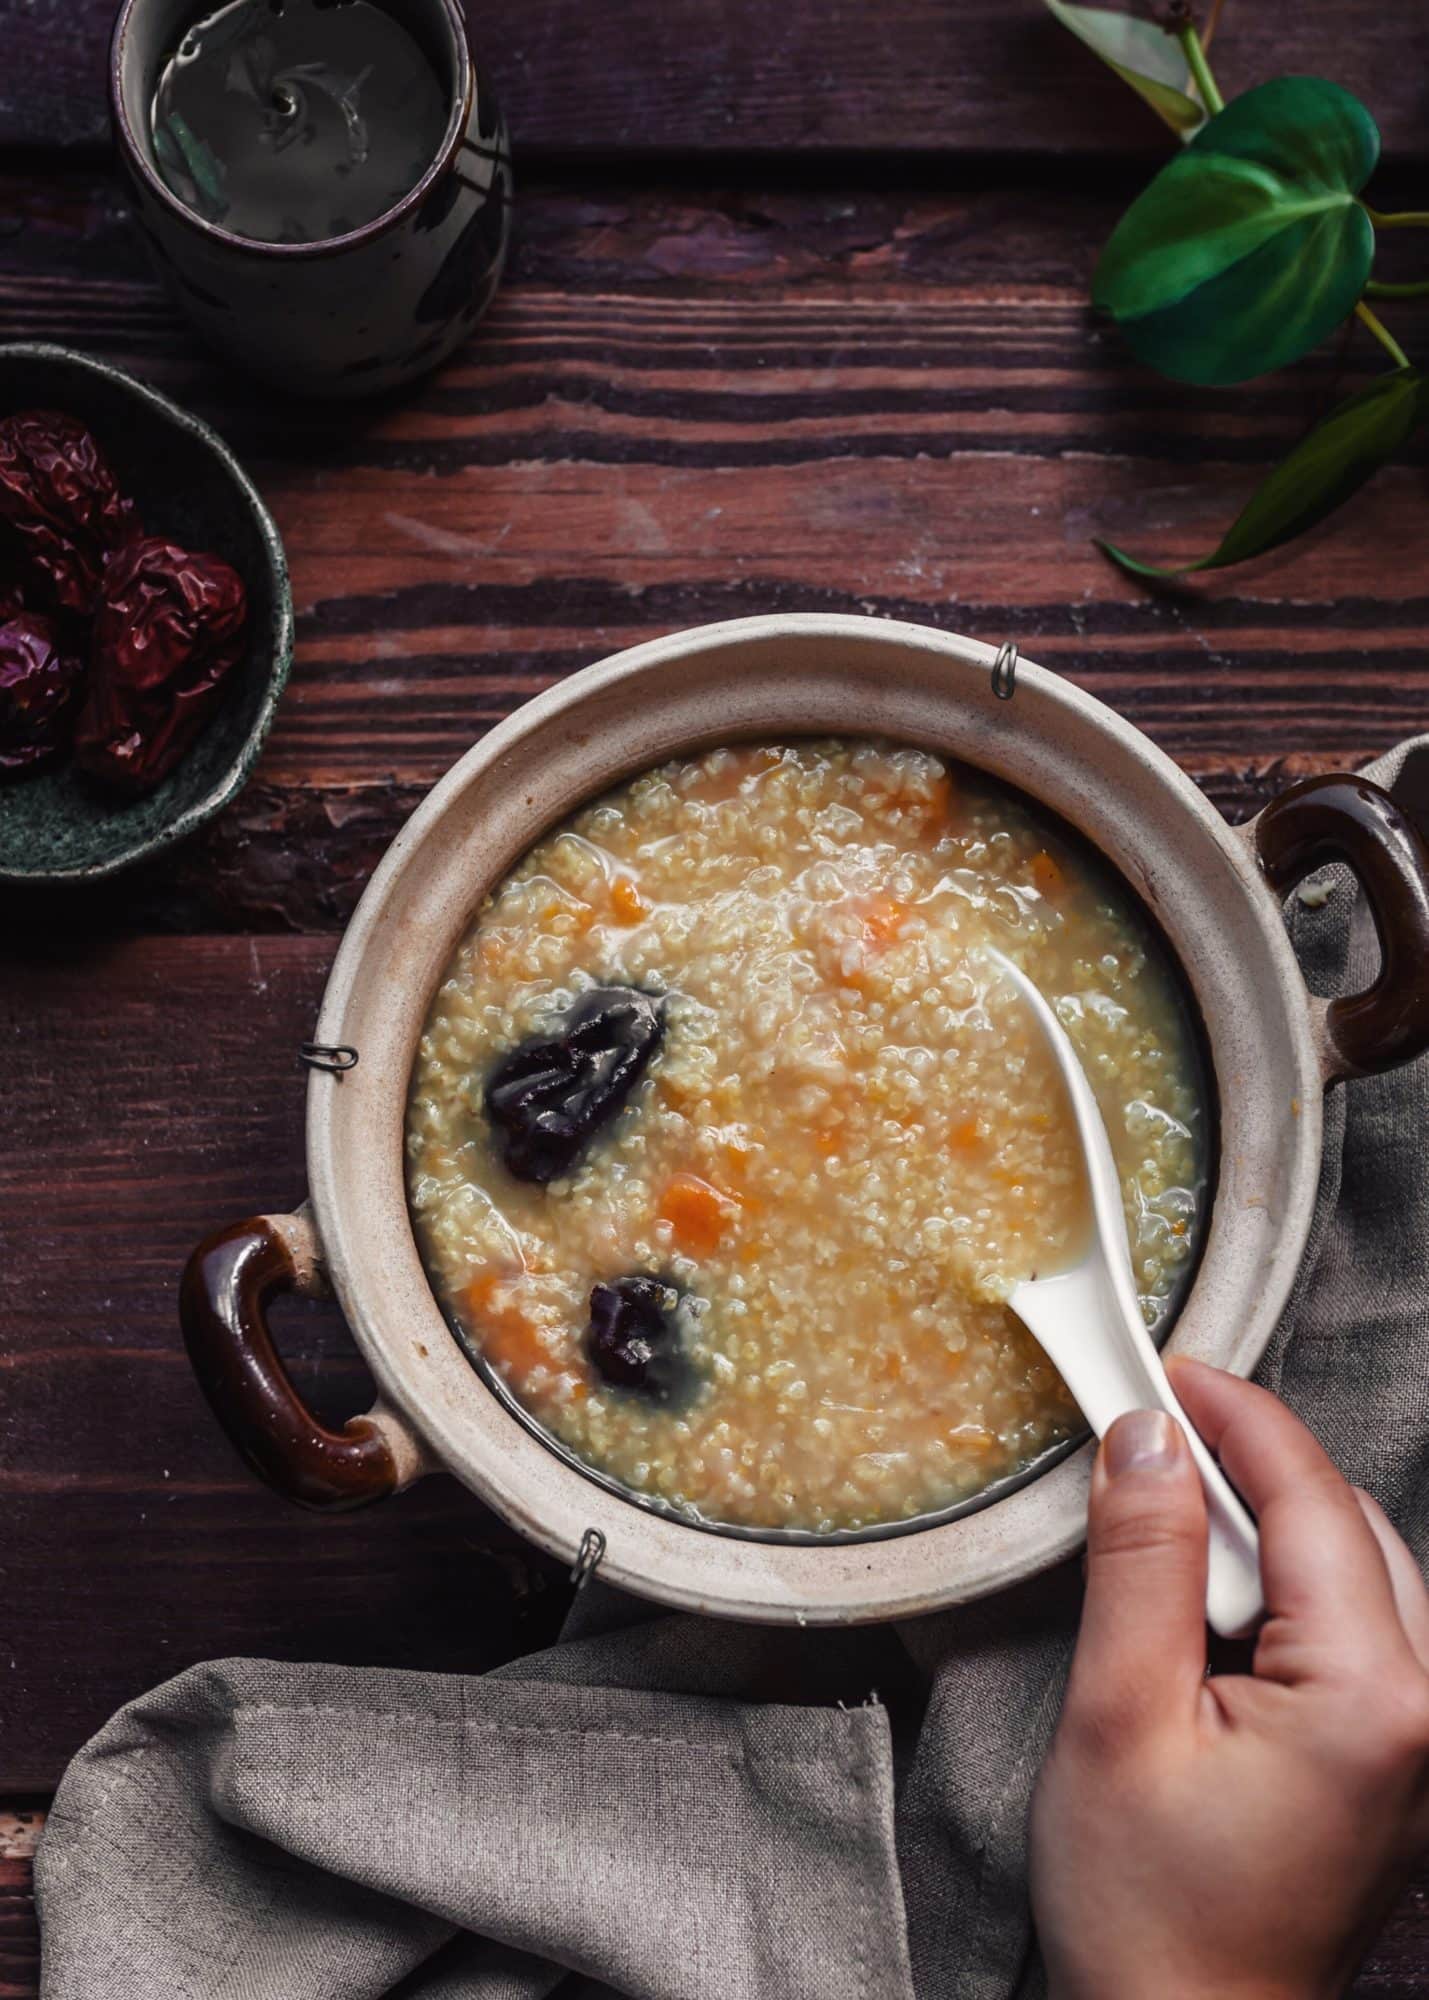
(509, 1338)
(479, 1293)
(581, 914)
(1048, 876)
(698, 1213)
(973, 1438)
(827, 1142)
(965, 1138)
(737, 1155)
(883, 917)
(626, 900)
(888, 1366)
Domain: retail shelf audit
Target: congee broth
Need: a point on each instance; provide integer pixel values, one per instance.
(726, 1143)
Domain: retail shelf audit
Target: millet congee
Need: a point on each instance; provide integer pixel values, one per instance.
(726, 1142)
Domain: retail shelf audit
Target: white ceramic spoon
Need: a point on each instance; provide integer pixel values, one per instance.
(1089, 1323)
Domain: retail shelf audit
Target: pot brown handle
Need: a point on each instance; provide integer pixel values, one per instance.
(1341, 817)
(227, 1286)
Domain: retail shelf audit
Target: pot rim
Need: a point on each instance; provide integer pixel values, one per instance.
(800, 1584)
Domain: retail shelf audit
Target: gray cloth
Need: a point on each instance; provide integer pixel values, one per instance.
(678, 1810)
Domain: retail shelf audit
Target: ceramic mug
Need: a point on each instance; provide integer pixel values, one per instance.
(1215, 890)
(350, 315)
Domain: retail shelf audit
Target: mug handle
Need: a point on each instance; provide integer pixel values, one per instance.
(1341, 817)
(227, 1286)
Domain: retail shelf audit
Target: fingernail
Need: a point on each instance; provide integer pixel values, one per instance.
(1141, 1441)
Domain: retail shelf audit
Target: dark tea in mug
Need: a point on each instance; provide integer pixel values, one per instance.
(290, 121)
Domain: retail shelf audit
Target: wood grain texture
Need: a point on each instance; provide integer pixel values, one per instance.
(688, 406)
(172, 1104)
(19, 1933)
(985, 77)
(20, 1829)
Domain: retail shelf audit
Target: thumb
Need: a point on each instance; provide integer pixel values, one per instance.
(1141, 1653)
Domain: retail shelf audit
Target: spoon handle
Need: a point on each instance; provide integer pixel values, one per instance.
(1089, 1322)
(1111, 1366)
(1235, 1598)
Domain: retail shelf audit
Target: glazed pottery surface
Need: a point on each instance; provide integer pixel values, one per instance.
(189, 487)
(353, 315)
(773, 677)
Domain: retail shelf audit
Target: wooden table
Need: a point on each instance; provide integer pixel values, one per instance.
(797, 320)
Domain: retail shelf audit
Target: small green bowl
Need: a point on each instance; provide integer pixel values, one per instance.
(54, 827)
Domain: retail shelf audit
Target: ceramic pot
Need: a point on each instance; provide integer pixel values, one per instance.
(1215, 890)
(354, 314)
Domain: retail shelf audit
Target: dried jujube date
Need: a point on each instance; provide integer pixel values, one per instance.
(550, 1094)
(636, 1336)
(40, 680)
(168, 627)
(61, 505)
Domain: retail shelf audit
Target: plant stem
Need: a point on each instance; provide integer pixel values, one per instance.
(1382, 334)
(1407, 218)
(1377, 290)
(1211, 19)
(1200, 69)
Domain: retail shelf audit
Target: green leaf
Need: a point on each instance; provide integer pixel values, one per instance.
(1250, 247)
(1143, 55)
(1329, 464)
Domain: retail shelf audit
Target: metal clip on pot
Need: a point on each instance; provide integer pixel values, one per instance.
(334, 1057)
(1004, 671)
(588, 1559)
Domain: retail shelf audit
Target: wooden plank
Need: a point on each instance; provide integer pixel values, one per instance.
(693, 406)
(19, 1930)
(19, 1933)
(987, 77)
(20, 1829)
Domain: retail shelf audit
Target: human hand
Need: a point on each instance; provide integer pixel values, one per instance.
(1238, 1837)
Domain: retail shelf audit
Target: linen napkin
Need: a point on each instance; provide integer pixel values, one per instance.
(675, 1809)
